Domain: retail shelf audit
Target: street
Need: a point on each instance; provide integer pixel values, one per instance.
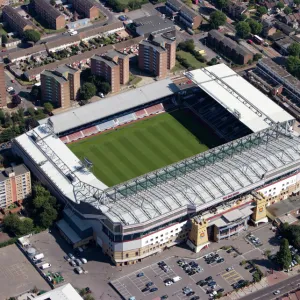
(268, 293)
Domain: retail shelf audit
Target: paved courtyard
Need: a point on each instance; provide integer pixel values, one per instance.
(17, 275)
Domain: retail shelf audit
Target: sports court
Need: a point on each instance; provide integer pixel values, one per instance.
(138, 148)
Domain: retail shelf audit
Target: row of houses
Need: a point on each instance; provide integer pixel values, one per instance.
(65, 41)
(228, 47)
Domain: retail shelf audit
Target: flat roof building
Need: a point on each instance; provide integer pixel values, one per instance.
(153, 25)
(113, 66)
(15, 21)
(49, 14)
(60, 85)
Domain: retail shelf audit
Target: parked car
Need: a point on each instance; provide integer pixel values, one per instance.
(145, 289)
(78, 262)
(229, 269)
(248, 267)
(212, 283)
(190, 293)
(67, 258)
(195, 298)
(153, 289)
(164, 297)
(72, 263)
(202, 283)
(83, 260)
(220, 291)
(150, 283)
(71, 256)
(141, 274)
(276, 292)
(209, 278)
(78, 270)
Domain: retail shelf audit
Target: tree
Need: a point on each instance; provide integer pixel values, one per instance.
(104, 87)
(217, 19)
(297, 2)
(221, 3)
(26, 226)
(188, 46)
(48, 107)
(294, 49)
(255, 26)
(280, 5)
(16, 100)
(256, 277)
(257, 56)
(243, 17)
(212, 62)
(242, 29)
(52, 2)
(293, 65)
(287, 10)
(48, 216)
(11, 223)
(261, 10)
(32, 35)
(87, 91)
(284, 256)
(4, 38)
(7, 120)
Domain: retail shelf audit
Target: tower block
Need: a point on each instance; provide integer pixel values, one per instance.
(198, 238)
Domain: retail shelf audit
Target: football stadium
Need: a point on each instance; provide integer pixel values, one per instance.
(166, 163)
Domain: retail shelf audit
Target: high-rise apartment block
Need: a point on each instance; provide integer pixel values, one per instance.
(2, 85)
(60, 86)
(113, 66)
(15, 185)
(157, 55)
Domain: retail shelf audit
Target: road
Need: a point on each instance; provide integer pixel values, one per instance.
(268, 293)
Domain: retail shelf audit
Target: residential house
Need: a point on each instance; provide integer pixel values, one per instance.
(235, 8)
(15, 21)
(49, 14)
(285, 28)
(88, 8)
(228, 47)
(183, 13)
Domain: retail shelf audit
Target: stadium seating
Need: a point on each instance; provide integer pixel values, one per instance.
(141, 114)
(65, 139)
(126, 119)
(89, 131)
(158, 108)
(75, 136)
(106, 125)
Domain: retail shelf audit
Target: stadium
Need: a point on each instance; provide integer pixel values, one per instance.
(147, 169)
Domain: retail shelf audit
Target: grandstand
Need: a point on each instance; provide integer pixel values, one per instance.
(129, 217)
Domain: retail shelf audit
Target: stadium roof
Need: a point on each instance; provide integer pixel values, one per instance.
(190, 185)
(112, 105)
(239, 97)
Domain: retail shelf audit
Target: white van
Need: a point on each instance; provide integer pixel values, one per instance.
(38, 256)
(45, 266)
(73, 32)
(177, 278)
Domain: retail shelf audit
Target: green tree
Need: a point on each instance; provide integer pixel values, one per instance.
(242, 29)
(257, 56)
(26, 226)
(243, 17)
(284, 256)
(261, 10)
(104, 87)
(256, 277)
(11, 223)
(297, 2)
(52, 2)
(255, 26)
(294, 49)
(280, 5)
(32, 35)
(4, 38)
(188, 46)
(287, 10)
(222, 3)
(217, 19)
(7, 120)
(293, 65)
(87, 91)
(48, 216)
(48, 107)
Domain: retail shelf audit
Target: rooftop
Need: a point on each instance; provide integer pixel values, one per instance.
(50, 9)
(54, 75)
(13, 13)
(18, 170)
(112, 105)
(284, 207)
(238, 96)
(153, 45)
(65, 292)
(153, 24)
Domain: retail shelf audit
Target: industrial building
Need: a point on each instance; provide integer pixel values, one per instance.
(198, 200)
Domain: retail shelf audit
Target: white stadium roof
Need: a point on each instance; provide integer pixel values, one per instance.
(252, 107)
(112, 105)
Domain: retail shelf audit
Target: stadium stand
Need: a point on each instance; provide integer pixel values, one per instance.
(106, 125)
(141, 114)
(89, 131)
(75, 136)
(126, 119)
(155, 109)
(65, 139)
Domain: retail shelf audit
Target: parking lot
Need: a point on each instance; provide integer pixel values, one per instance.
(132, 285)
(17, 275)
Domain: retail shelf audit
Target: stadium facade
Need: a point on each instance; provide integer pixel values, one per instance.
(203, 198)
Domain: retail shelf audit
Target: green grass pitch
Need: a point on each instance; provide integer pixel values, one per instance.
(144, 146)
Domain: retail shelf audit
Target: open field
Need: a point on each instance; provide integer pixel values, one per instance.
(191, 59)
(141, 147)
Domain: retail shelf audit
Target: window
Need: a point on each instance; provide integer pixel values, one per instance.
(136, 253)
(127, 255)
